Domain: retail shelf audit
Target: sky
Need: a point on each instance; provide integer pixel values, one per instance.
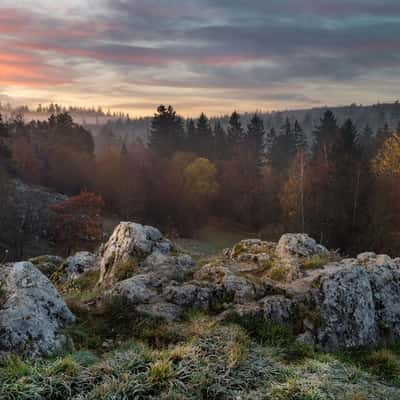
(199, 55)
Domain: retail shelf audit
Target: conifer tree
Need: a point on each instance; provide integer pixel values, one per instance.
(325, 135)
(235, 132)
(255, 138)
(300, 137)
(166, 132)
(204, 137)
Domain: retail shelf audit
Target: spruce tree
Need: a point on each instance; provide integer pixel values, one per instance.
(325, 135)
(167, 132)
(255, 138)
(235, 134)
(204, 137)
(299, 137)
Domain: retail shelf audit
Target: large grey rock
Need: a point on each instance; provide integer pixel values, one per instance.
(139, 289)
(32, 312)
(240, 288)
(229, 280)
(278, 309)
(190, 295)
(384, 276)
(129, 242)
(347, 309)
(292, 248)
(177, 268)
(298, 245)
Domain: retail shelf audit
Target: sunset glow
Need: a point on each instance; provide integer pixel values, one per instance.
(202, 55)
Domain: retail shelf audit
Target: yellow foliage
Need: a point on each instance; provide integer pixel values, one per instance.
(200, 177)
(387, 161)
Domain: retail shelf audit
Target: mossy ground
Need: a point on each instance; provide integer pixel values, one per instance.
(198, 358)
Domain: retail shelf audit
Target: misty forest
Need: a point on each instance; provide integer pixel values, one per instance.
(199, 200)
(336, 181)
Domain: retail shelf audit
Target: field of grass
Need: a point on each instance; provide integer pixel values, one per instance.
(199, 358)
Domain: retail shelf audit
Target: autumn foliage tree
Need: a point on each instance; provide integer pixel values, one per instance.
(76, 222)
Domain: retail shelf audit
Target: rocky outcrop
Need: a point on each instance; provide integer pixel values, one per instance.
(33, 207)
(293, 248)
(298, 282)
(32, 313)
(347, 309)
(75, 266)
(130, 242)
(251, 250)
(359, 302)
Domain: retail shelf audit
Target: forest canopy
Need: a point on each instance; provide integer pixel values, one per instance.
(339, 183)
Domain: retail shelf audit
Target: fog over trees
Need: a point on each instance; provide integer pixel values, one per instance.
(338, 182)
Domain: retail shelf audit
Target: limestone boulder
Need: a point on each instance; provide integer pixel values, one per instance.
(130, 242)
(32, 313)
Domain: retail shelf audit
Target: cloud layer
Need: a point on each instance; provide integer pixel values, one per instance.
(211, 55)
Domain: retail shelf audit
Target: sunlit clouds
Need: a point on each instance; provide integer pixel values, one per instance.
(208, 55)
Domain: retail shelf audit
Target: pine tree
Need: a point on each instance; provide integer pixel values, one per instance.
(204, 137)
(300, 137)
(235, 133)
(325, 135)
(167, 132)
(347, 139)
(255, 138)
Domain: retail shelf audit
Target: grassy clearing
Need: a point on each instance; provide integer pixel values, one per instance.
(208, 360)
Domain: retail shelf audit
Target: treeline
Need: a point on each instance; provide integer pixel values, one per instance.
(341, 187)
(54, 108)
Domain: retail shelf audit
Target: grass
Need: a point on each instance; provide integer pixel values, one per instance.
(318, 261)
(124, 270)
(207, 360)
(278, 273)
(384, 363)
